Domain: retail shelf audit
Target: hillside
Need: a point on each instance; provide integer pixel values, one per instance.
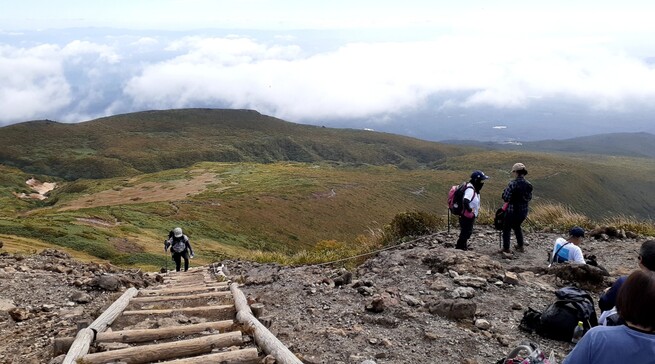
(348, 185)
(615, 144)
(153, 141)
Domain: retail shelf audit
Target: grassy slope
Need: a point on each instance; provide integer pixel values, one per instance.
(274, 206)
(158, 140)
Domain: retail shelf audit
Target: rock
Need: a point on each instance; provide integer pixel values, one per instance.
(463, 292)
(469, 281)
(368, 362)
(482, 324)
(366, 291)
(19, 314)
(584, 274)
(453, 309)
(106, 282)
(412, 301)
(6, 305)
(376, 305)
(81, 297)
(344, 279)
(517, 306)
(511, 278)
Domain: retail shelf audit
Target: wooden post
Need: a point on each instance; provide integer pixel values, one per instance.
(263, 337)
(84, 337)
(165, 351)
(62, 345)
(242, 356)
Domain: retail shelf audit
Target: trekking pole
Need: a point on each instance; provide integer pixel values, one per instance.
(448, 221)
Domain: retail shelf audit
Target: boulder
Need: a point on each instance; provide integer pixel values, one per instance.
(453, 309)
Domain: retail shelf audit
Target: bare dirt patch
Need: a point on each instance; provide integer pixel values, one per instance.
(144, 193)
(40, 188)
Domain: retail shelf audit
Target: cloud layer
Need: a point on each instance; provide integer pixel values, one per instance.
(302, 80)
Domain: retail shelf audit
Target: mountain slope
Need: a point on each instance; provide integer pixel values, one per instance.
(158, 140)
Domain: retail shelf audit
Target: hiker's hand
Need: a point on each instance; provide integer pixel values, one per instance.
(191, 256)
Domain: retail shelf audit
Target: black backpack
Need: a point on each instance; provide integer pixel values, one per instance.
(456, 198)
(499, 219)
(560, 318)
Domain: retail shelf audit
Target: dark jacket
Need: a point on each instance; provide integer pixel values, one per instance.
(518, 194)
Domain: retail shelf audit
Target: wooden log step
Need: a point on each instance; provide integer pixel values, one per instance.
(166, 351)
(150, 299)
(192, 284)
(167, 291)
(223, 311)
(61, 345)
(242, 356)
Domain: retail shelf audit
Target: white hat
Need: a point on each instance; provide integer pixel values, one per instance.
(177, 232)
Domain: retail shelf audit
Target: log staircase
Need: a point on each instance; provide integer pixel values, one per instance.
(191, 318)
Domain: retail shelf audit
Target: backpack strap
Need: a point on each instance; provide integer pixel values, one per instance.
(552, 259)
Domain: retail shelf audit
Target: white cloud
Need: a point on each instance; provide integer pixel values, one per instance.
(32, 82)
(366, 79)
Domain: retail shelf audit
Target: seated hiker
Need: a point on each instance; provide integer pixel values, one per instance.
(633, 342)
(567, 250)
(180, 248)
(607, 300)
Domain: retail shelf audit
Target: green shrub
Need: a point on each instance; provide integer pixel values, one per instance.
(413, 223)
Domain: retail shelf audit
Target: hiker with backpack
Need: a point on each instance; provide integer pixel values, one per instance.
(470, 207)
(516, 195)
(633, 342)
(567, 250)
(180, 248)
(607, 301)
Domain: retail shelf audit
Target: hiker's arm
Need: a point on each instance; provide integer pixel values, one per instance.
(507, 193)
(578, 257)
(188, 246)
(468, 197)
(608, 299)
(167, 243)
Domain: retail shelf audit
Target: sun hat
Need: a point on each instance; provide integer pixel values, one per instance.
(519, 167)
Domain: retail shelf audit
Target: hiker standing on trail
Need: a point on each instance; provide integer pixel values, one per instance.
(180, 248)
(567, 250)
(517, 195)
(471, 204)
(633, 342)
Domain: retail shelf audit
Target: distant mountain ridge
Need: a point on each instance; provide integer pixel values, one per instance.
(614, 144)
(152, 141)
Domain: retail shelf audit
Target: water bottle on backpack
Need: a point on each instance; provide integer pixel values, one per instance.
(577, 333)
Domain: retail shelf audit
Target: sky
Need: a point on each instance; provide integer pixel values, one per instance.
(488, 70)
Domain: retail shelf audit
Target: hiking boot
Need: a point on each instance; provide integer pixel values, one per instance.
(519, 248)
(505, 251)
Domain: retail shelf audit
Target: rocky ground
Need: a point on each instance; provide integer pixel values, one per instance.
(422, 302)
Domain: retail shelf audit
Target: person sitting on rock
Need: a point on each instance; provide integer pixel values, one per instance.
(633, 342)
(180, 248)
(567, 250)
(607, 301)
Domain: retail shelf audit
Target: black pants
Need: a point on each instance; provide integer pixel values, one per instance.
(513, 222)
(465, 231)
(177, 257)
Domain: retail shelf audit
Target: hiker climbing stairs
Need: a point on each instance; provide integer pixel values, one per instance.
(193, 317)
